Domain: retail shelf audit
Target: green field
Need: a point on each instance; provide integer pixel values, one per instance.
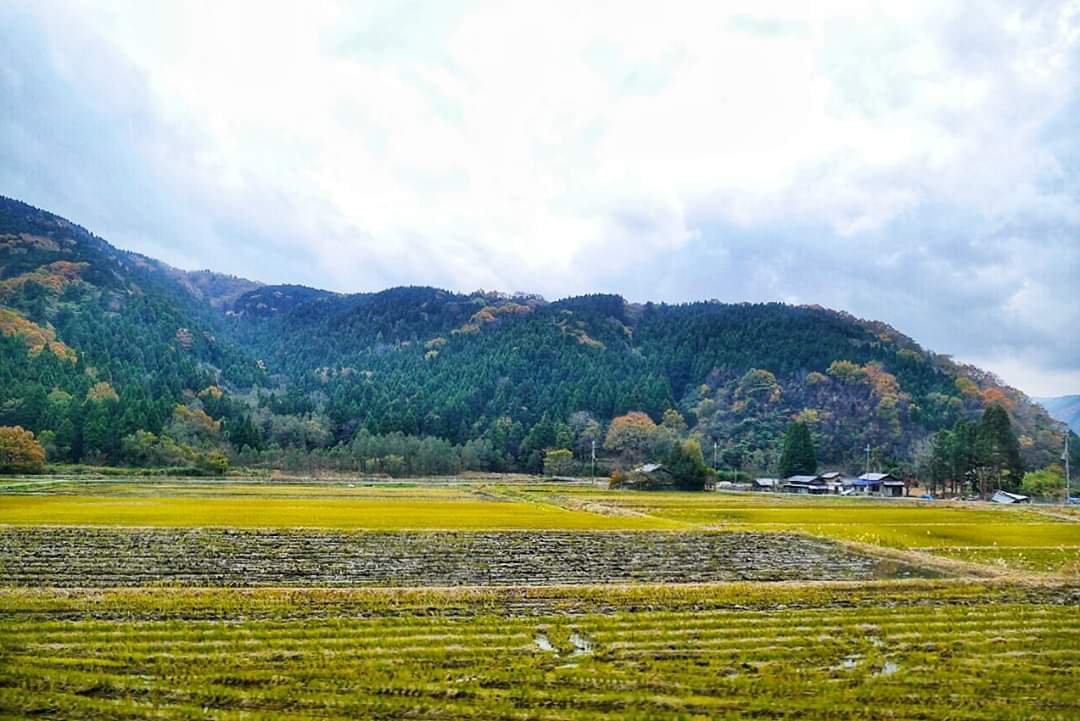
(523, 600)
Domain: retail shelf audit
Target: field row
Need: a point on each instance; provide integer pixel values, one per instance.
(442, 511)
(413, 489)
(101, 557)
(831, 652)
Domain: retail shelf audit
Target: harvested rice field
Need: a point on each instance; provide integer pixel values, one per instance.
(80, 557)
(522, 600)
(1041, 539)
(870, 651)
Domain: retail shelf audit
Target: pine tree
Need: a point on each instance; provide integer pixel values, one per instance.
(799, 457)
(1000, 449)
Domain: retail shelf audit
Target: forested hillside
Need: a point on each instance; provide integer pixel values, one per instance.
(112, 357)
(97, 343)
(519, 371)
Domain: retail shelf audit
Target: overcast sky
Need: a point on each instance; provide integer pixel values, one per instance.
(913, 163)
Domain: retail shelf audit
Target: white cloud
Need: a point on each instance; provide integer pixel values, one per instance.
(564, 147)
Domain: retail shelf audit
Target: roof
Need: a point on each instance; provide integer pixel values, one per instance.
(831, 475)
(800, 479)
(650, 467)
(766, 481)
(1006, 497)
(876, 477)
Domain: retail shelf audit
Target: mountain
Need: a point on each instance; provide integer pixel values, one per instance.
(1063, 408)
(216, 289)
(432, 362)
(99, 344)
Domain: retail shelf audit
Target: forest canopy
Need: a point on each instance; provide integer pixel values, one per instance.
(109, 357)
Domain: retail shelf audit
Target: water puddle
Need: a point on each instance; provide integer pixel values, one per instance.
(544, 644)
(888, 669)
(582, 645)
(849, 662)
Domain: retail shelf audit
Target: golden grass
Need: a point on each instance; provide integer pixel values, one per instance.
(361, 514)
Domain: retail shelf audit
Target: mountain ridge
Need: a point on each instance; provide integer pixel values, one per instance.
(1063, 408)
(511, 371)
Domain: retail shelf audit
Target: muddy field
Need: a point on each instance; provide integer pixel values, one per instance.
(100, 557)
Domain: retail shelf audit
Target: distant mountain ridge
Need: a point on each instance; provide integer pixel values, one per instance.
(1063, 408)
(293, 366)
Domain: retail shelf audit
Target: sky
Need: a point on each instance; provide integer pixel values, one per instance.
(916, 163)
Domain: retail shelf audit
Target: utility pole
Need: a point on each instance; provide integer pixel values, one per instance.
(867, 457)
(1068, 482)
(593, 454)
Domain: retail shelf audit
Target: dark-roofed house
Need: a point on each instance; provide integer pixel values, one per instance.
(805, 484)
(879, 484)
(835, 481)
(766, 484)
(649, 476)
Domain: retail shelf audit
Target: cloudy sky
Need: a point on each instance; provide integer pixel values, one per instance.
(917, 163)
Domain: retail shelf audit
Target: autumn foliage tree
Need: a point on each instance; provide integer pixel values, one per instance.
(631, 436)
(19, 451)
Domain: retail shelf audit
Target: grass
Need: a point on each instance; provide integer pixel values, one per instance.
(900, 524)
(931, 535)
(1003, 648)
(847, 651)
(369, 513)
(1060, 560)
(463, 504)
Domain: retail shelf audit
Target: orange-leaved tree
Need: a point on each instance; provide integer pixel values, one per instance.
(19, 451)
(631, 436)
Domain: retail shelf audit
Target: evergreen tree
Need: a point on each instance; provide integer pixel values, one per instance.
(941, 460)
(1000, 450)
(966, 452)
(687, 465)
(799, 457)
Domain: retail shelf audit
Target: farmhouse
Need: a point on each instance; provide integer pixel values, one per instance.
(879, 484)
(805, 485)
(766, 484)
(835, 481)
(650, 476)
(831, 483)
